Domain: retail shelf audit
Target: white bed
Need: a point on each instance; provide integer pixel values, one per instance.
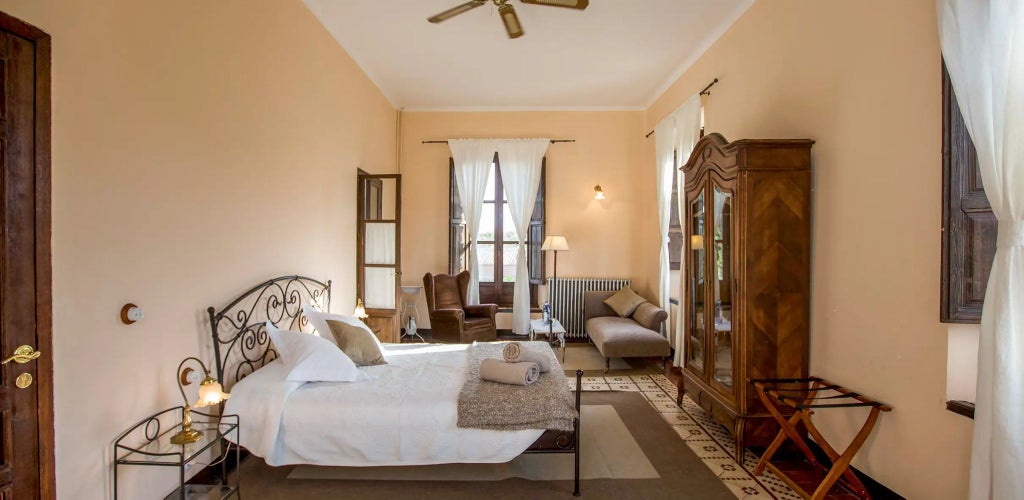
(405, 414)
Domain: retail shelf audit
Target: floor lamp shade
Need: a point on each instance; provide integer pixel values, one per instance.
(555, 244)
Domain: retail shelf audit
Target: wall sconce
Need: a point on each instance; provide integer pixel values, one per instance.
(598, 192)
(697, 242)
(360, 311)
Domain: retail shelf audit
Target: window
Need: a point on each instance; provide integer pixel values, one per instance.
(968, 225)
(496, 240)
(675, 230)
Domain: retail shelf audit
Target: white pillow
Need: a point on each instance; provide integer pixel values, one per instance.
(319, 321)
(309, 358)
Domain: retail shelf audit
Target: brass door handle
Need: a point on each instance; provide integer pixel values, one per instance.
(23, 354)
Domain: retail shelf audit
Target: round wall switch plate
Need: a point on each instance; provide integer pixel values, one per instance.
(131, 313)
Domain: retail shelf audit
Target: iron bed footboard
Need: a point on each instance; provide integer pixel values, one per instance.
(553, 441)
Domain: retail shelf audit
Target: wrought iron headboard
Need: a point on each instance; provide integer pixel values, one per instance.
(241, 343)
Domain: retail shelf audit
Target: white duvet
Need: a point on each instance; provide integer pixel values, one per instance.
(404, 415)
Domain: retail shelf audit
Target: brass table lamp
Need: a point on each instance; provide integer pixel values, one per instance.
(210, 393)
(360, 311)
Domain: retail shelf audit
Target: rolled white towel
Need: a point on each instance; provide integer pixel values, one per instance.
(514, 352)
(496, 370)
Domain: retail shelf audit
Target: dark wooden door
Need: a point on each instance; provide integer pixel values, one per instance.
(26, 421)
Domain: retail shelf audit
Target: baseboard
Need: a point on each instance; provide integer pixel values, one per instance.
(877, 490)
(507, 333)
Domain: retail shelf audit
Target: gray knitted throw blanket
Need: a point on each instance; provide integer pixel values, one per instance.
(545, 404)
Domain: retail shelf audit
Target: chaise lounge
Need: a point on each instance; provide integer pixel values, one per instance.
(631, 337)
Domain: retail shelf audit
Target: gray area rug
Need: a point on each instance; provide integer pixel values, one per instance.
(681, 474)
(608, 450)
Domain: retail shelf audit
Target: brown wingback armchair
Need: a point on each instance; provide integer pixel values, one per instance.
(451, 320)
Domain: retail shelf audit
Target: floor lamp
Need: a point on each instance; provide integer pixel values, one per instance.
(554, 244)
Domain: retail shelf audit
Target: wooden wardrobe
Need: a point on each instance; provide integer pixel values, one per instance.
(746, 311)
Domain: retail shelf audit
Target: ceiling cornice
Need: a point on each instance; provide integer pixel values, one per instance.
(491, 109)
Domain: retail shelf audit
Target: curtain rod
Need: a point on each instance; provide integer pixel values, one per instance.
(706, 91)
(552, 141)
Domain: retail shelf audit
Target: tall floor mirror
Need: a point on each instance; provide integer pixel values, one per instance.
(378, 255)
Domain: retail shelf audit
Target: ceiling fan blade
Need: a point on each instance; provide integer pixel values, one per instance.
(511, 20)
(454, 11)
(572, 4)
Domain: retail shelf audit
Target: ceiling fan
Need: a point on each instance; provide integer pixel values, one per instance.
(507, 12)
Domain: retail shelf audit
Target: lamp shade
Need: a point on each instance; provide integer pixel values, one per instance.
(360, 311)
(556, 243)
(210, 393)
(697, 242)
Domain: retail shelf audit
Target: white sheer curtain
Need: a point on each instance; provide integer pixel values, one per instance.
(687, 119)
(472, 159)
(983, 45)
(521, 161)
(380, 243)
(664, 139)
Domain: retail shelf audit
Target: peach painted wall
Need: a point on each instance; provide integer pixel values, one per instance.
(863, 80)
(198, 148)
(604, 236)
(962, 362)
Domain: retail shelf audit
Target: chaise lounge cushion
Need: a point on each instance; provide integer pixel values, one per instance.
(623, 338)
(650, 316)
(624, 301)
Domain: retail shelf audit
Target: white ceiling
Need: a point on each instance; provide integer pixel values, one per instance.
(617, 54)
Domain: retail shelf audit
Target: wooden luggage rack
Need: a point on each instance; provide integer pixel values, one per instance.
(804, 396)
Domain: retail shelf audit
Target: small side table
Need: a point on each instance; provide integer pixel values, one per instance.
(553, 331)
(149, 443)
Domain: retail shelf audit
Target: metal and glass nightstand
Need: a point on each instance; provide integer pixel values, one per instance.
(149, 443)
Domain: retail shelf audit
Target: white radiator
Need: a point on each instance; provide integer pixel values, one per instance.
(566, 298)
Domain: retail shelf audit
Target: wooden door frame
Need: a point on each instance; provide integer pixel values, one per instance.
(361, 230)
(44, 291)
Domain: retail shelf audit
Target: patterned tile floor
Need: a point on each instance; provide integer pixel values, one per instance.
(709, 440)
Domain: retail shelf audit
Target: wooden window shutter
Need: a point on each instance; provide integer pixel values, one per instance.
(535, 257)
(457, 241)
(968, 225)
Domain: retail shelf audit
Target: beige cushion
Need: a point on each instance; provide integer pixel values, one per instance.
(357, 343)
(624, 302)
(624, 338)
